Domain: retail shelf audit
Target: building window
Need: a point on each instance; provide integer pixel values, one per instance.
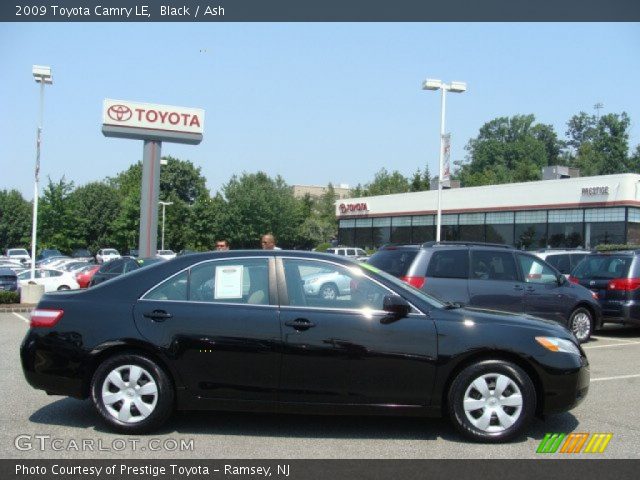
(423, 229)
(471, 227)
(346, 232)
(381, 231)
(401, 230)
(499, 227)
(363, 237)
(604, 215)
(565, 228)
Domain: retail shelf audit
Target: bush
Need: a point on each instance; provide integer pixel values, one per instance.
(323, 247)
(9, 297)
(609, 248)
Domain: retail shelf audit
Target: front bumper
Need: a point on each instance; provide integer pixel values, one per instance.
(565, 388)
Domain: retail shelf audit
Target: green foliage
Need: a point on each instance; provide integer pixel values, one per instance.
(612, 247)
(93, 208)
(322, 247)
(420, 181)
(384, 183)
(15, 220)
(509, 150)
(9, 297)
(55, 217)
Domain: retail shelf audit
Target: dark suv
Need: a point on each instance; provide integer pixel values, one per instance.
(496, 277)
(615, 278)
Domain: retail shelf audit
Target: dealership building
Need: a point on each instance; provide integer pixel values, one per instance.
(567, 212)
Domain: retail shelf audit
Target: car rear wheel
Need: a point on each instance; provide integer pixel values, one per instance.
(63, 287)
(492, 401)
(581, 324)
(132, 393)
(328, 292)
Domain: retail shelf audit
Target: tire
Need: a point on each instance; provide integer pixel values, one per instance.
(63, 287)
(132, 408)
(581, 324)
(498, 418)
(328, 291)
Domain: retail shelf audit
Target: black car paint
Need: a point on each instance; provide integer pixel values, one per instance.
(253, 361)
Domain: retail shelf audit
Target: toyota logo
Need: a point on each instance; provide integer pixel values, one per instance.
(119, 113)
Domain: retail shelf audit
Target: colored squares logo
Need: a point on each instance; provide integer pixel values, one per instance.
(574, 443)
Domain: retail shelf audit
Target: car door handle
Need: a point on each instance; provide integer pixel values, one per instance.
(518, 287)
(157, 315)
(300, 324)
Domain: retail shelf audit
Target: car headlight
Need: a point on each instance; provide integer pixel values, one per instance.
(555, 344)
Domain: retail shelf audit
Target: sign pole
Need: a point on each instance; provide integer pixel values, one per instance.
(150, 190)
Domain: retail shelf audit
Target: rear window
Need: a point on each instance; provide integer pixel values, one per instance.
(603, 267)
(449, 264)
(395, 262)
(561, 261)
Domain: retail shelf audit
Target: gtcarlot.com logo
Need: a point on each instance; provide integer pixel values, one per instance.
(574, 443)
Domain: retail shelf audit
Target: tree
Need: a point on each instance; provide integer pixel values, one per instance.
(15, 219)
(421, 181)
(93, 208)
(55, 218)
(257, 204)
(509, 150)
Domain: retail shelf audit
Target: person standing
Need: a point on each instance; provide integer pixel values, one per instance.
(222, 245)
(268, 242)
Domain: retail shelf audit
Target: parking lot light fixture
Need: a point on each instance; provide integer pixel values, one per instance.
(456, 87)
(42, 75)
(164, 204)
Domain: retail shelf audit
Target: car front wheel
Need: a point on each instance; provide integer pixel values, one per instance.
(328, 292)
(492, 401)
(132, 393)
(581, 324)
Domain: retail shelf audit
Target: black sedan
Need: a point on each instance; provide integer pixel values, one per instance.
(236, 331)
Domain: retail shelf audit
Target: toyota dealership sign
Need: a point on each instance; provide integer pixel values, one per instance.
(122, 118)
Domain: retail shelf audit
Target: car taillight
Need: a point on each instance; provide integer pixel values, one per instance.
(574, 280)
(417, 282)
(45, 318)
(624, 284)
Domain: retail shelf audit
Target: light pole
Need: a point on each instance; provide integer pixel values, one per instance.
(164, 204)
(457, 87)
(41, 75)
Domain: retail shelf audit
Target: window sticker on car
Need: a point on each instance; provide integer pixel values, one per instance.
(228, 282)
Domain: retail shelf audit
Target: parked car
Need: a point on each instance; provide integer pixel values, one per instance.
(19, 254)
(106, 254)
(159, 341)
(48, 252)
(615, 278)
(119, 266)
(166, 254)
(82, 254)
(84, 276)
(496, 277)
(8, 280)
(563, 260)
(349, 252)
(51, 279)
(327, 283)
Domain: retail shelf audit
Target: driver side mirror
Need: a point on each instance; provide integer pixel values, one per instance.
(397, 306)
(561, 280)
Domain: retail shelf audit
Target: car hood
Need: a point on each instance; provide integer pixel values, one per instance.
(522, 320)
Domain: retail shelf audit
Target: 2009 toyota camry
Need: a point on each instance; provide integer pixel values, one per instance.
(237, 331)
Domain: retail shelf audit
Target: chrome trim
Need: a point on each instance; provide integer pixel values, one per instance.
(208, 303)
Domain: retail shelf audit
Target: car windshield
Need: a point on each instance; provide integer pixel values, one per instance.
(603, 267)
(110, 251)
(17, 251)
(402, 285)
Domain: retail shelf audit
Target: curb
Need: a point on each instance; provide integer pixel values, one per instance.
(17, 308)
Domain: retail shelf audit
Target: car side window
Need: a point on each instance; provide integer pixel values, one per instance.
(317, 284)
(561, 261)
(488, 265)
(174, 288)
(449, 264)
(535, 271)
(54, 273)
(243, 280)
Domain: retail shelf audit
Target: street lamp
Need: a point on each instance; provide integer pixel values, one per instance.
(164, 204)
(41, 75)
(456, 87)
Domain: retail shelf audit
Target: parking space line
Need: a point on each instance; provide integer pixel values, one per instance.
(617, 339)
(21, 317)
(619, 377)
(611, 345)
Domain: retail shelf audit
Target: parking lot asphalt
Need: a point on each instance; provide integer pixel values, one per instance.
(35, 425)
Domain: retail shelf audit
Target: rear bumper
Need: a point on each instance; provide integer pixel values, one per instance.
(621, 311)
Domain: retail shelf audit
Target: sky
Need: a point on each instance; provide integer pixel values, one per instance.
(312, 102)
